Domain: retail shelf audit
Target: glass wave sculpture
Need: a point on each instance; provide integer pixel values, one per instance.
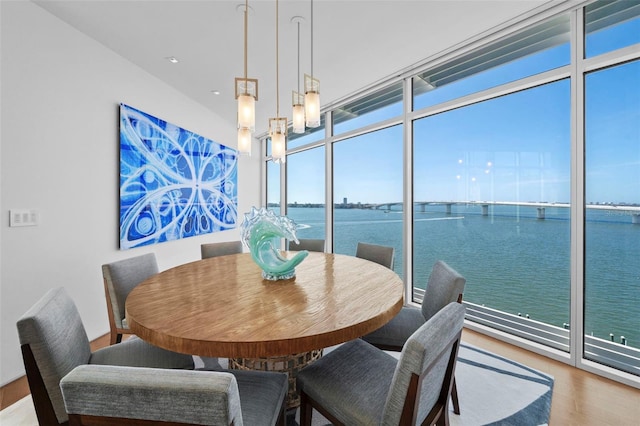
(261, 231)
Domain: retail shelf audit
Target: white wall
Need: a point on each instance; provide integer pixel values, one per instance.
(59, 154)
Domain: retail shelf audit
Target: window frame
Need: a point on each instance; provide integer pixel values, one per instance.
(575, 71)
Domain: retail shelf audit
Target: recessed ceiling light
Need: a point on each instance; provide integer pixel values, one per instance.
(172, 59)
(240, 8)
(215, 92)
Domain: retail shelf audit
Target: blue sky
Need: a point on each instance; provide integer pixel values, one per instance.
(513, 148)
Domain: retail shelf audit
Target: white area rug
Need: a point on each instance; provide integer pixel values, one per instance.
(493, 390)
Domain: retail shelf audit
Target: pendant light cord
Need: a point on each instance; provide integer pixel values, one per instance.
(246, 44)
(298, 60)
(311, 38)
(277, 67)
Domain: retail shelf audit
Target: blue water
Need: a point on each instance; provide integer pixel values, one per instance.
(512, 261)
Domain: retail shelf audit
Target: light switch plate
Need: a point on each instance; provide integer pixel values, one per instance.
(23, 217)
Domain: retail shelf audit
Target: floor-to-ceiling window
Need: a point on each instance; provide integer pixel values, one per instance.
(492, 180)
(612, 200)
(612, 195)
(367, 187)
(306, 192)
(491, 191)
(367, 140)
(491, 170)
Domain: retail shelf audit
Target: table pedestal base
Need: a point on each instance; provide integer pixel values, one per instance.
(290, 364)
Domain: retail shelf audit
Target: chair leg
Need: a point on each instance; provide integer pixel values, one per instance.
(115, 337)
(305, 410)
(454, 397)
(42, 404)
(282, 417)
(443, 420)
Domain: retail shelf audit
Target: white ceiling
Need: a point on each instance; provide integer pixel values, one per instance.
(356, 42)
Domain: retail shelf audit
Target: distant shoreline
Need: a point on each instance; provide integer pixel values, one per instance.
(601, 206)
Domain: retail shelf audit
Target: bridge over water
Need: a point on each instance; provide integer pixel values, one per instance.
(622, 210)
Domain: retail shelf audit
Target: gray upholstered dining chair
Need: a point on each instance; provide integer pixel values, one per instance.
(120, 278)
(54, 341)
(220, 249)
(359, 384)
(309, 244)
(376, 253)
(102, 394)
(445, 285)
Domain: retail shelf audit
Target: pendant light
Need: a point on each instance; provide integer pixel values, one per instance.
(312, 90)
(297, 97)
(247, 94)
(278, 125)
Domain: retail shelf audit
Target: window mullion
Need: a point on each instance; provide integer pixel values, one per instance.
(328, 182)
(407, 233)
(576, 340)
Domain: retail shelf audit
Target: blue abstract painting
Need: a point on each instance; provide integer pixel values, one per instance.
(173, 183)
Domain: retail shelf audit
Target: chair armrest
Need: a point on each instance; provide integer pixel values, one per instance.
(183, 396)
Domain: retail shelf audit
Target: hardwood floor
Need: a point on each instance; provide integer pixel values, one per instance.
(579, 398)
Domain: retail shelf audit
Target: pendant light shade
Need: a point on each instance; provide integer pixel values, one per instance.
(312, 90)
(244, 141)
(312, 101)
(298, 113)
(278, 134)
(246, 112)
(278, 148)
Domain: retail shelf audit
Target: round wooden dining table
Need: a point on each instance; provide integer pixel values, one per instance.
(222, 307)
